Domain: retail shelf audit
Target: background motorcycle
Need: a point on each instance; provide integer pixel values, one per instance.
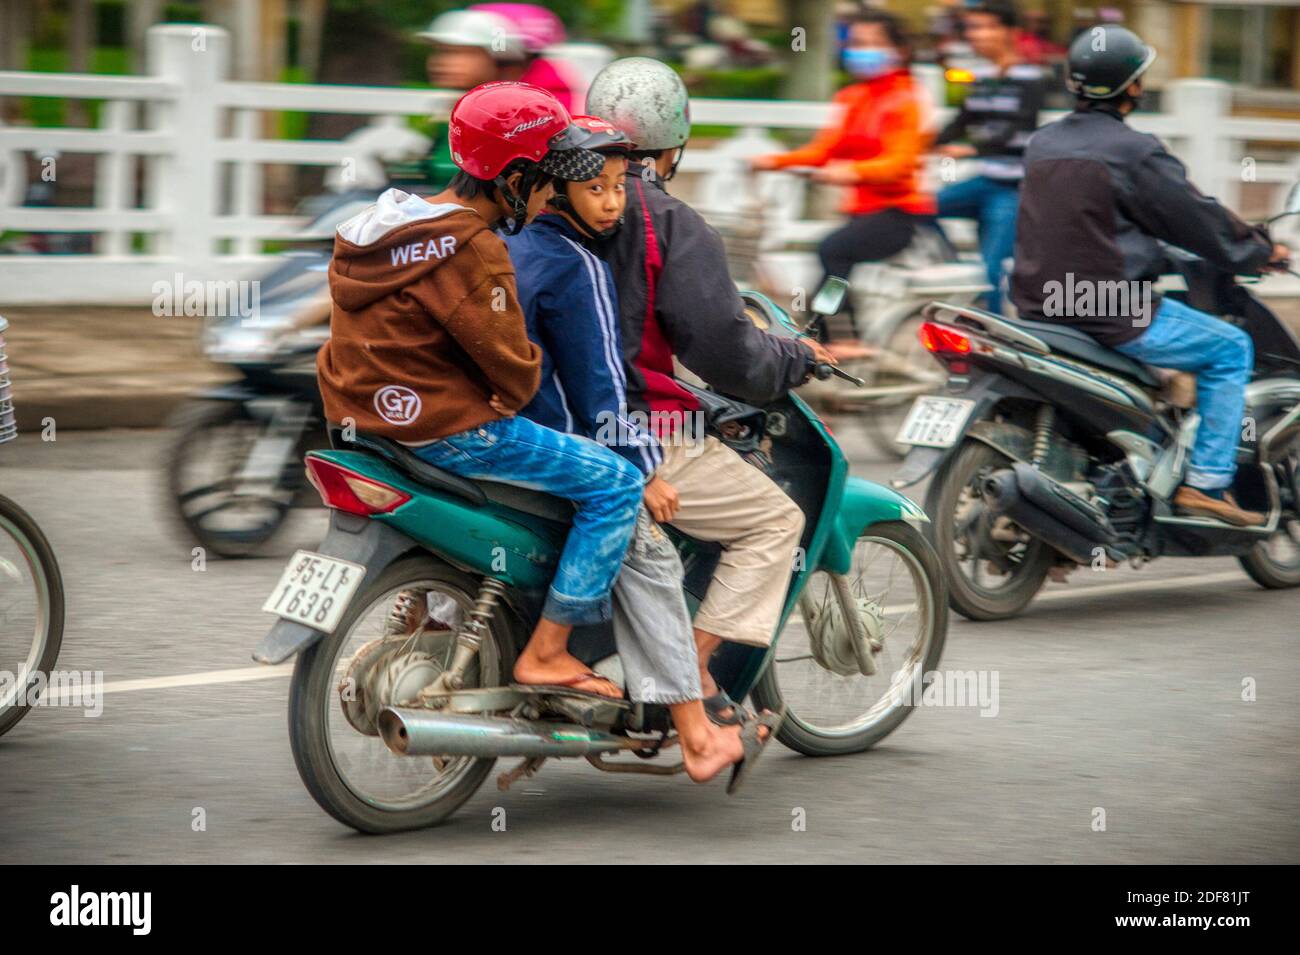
(1051, 450)
(383, 679)
(233, 463)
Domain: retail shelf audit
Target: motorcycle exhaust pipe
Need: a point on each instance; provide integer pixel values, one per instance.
(1002, 495)
(1075, 512)
(414, 732)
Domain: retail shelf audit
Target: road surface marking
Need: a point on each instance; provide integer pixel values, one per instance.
(247, 674)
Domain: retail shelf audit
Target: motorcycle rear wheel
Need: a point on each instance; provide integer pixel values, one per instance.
(811, 726)
(354, 777)
(1029, 561)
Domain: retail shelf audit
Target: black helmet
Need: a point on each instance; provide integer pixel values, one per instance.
(1105, 60)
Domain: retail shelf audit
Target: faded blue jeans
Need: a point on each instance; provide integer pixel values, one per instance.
(1221, 356)
(993, 204)
(605, 487)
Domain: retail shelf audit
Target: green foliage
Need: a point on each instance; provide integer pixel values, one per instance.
(52, 111)
(762, 82)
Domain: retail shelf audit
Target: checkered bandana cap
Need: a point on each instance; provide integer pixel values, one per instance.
(573, 165)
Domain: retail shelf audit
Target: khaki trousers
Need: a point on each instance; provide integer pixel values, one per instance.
(725, 500)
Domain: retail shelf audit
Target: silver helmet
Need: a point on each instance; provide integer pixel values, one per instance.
(645, 99)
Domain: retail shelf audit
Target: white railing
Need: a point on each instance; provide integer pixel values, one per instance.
(198, 137)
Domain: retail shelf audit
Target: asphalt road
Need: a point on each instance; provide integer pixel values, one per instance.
(1119, 691)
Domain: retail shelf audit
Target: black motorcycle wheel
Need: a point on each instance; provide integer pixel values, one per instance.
(1023, 565)
(219, 435)
(26, 553)
(354, 777)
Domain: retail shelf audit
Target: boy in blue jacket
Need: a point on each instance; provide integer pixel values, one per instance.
(571, 311)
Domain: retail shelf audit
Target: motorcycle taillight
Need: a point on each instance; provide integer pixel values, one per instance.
(943, 340)
(348, 491)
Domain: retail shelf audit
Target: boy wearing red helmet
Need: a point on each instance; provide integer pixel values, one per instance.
(428, 347)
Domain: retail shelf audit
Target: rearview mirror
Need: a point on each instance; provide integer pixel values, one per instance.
(830, 296)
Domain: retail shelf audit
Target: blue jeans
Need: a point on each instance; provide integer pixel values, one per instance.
(605, 487)
(1222, 356)
(993, 204)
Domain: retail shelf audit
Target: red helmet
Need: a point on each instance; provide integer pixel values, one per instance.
(494, 124)
(600, 136)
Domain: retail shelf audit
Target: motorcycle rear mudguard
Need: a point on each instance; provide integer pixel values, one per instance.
(358, 539)
(986, 392)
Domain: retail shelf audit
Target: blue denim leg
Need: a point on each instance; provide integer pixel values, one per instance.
(606, 488)
(962, 200)
(993, 205)
(997, 232)
(1221, 356)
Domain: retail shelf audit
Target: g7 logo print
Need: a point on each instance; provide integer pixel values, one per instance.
(397, 404)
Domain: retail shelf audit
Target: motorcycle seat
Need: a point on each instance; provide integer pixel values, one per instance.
(476, 492)
(1070, 341)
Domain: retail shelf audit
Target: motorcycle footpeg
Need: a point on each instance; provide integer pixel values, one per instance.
(581, 708)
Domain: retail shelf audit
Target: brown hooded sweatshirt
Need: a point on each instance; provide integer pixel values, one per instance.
(425, 324)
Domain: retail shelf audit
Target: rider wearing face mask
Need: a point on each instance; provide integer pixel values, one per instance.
(1098, 199)
(874, 149)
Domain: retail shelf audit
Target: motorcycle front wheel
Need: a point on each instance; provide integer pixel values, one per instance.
(352, 774)
(833, 708)
(211, 442)
(31, 595)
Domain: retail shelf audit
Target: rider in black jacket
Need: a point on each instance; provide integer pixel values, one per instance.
(1097, 200)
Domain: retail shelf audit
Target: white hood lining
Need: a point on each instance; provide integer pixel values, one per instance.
(393, 209)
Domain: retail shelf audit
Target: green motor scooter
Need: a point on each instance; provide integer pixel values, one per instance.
(407, 619)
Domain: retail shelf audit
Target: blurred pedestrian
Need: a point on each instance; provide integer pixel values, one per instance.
(995, 120)
(873, 150)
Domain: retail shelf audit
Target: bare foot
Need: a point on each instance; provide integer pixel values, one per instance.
(563, 669)
(719, 748)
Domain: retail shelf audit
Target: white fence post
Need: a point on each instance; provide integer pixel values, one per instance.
(196, 59)
(1199, 108)
(113, 177)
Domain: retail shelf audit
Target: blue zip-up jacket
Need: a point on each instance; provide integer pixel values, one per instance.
(571, 309)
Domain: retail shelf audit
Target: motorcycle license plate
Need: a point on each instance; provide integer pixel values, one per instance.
(315, 590)
(935, 422)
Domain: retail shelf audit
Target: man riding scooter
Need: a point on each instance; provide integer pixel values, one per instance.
(675, 301)
(1098, 199)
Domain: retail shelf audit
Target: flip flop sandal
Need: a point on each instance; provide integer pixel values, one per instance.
(566, 687)
(754, 746)
(715, 705)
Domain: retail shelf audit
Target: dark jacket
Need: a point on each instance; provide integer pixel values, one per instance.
(1098, 198)
(571, 311)
(676, 298)
(997, 117)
